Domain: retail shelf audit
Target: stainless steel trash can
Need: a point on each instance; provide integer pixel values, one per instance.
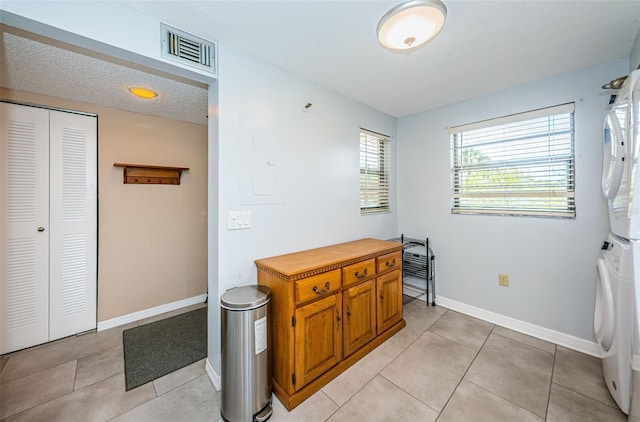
(246, 358)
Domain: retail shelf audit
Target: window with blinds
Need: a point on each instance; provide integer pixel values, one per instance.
(374, 172)
(521, 164)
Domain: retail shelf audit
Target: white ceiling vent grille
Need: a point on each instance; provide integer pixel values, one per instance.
(185, 48)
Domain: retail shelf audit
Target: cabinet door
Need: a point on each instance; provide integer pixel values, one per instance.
(318, 338)
(24, 226)
(359, 310)
(389, 300)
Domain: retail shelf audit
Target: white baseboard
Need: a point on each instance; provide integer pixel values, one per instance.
(562, 339)
(215, 378)
(146, 313)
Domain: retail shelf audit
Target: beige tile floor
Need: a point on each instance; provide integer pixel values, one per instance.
(444, 366)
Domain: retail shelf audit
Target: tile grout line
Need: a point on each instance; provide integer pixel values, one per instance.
(504, 398)
(553, 369)
(419, 335)
(409, 394)
(551, 382)
(75, 376)
(588, 397)
(466, 371)
(379, 373)
(53, 344)
(403, 351)
(40, 371)
(527, 344)
(133, 408)
(457, 342)
(48, 401)
(332, 413)
(612, 404)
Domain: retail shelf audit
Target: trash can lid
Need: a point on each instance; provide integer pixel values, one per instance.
(245, 297)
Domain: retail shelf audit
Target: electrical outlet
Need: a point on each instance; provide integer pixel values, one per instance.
(503, 279)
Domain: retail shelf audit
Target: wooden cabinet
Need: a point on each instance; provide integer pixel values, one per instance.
(330, 307)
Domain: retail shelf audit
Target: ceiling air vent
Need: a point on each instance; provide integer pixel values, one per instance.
(185, 48)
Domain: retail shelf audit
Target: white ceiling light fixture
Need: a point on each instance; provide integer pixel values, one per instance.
(412, 24)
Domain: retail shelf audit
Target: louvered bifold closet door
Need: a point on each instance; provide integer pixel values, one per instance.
(73, 236)
(24, 222)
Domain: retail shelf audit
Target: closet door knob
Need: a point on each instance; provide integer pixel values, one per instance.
(40, 229)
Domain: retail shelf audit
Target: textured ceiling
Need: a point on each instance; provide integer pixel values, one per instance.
(34, 64)
(484, 47)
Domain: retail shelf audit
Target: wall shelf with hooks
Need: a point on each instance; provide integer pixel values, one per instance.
(148, 174)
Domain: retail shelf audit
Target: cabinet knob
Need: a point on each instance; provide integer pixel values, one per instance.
(40, 229)
(392, 263)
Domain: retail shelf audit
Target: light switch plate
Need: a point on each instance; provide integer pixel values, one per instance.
(239, 220)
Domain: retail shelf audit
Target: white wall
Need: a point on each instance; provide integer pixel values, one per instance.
(551, 262)
(318, 204)
(213, 316)
(319, 201)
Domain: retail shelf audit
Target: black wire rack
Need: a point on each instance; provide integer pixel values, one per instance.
(418, 262)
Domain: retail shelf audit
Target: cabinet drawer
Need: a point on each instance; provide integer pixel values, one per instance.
(389, 262)
(352, 274)
(316, 286)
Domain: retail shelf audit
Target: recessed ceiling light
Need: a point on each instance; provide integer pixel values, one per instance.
(411, 25)
(142, 92)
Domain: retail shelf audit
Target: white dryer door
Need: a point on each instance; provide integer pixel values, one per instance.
(603, 318)
(612, 156)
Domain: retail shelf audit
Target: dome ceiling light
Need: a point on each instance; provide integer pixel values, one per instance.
(410, 25)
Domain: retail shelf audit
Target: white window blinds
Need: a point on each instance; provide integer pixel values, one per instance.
(374, 172)
(521, 164)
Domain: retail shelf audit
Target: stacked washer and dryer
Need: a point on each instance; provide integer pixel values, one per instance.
(617, 296)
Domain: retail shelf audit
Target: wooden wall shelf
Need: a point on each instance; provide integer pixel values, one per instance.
(147, 175)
